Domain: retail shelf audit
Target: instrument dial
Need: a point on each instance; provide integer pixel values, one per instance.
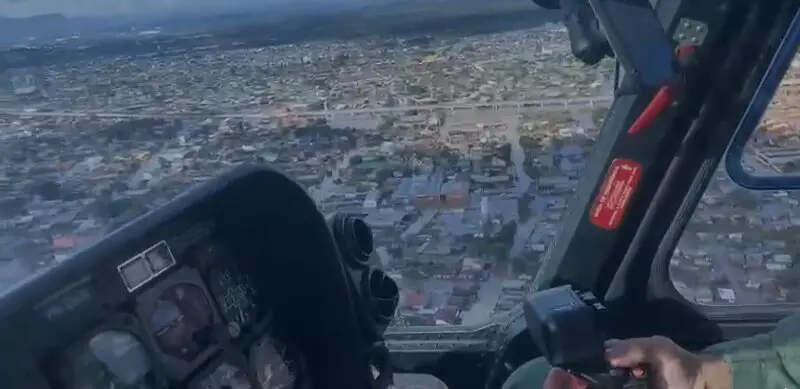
(225, 376)
(272, 369)
(182, 321)
(110, 359)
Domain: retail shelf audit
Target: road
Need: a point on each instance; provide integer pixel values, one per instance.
(531, 105)
(419, 224)
(524, 182)
(487, 299)
(527, 230)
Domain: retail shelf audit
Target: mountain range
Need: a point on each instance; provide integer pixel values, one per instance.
(45, 28)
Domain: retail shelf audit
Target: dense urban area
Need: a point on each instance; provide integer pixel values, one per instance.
(461, 153)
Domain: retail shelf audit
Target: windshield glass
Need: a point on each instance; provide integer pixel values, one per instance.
(740, 247)
(458, 137)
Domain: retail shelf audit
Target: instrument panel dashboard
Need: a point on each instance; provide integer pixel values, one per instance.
(192, 296)
(193, 319)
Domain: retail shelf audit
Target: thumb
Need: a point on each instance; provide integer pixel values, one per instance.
(630, 353)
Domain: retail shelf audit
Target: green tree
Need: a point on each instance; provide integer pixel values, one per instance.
(382, 175)
(450, 157)
(529, 143)
(504, 152)
(386, 123)
(506, 234)
(355, 160)
(417, 90)
(524, 207)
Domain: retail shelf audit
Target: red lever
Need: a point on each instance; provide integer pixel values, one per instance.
(663, 98)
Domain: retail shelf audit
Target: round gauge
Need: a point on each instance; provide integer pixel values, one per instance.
(272, 370)
(182, 321)
(225, 376)
(232, 289)
(110, 359)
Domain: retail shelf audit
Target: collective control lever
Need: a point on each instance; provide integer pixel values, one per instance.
(567, 326)
(587, 41)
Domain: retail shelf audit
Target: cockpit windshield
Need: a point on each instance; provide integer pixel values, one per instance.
(459, 144)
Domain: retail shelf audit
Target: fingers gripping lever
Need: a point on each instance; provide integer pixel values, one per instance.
(567, 325)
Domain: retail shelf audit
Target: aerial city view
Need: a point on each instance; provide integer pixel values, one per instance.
(460, 150)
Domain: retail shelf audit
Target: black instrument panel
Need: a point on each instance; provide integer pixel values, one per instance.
(219, 276)
(193, 320)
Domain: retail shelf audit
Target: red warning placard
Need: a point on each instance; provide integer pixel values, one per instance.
(615, 194)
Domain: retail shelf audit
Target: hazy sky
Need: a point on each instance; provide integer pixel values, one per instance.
(21, 8)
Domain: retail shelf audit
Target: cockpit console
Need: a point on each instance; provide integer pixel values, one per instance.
(240, 283)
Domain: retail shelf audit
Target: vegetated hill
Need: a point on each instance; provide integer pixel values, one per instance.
(403, 18)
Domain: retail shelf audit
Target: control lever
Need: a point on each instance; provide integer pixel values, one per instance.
(567, 325)
(627, 30)
(587, 41)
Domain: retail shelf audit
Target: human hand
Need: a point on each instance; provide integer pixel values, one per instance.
(668, 365)
(562, 379)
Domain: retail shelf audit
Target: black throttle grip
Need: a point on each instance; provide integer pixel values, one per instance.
(615, 379)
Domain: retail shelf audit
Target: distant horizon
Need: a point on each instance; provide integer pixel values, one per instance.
(20, 9)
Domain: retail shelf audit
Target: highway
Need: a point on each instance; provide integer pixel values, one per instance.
(542, 104)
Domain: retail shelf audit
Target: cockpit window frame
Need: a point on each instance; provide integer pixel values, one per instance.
(653, 150)
(768, 70)
(723, 85)
(755, 111)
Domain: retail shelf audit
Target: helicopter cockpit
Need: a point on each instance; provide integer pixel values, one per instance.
(244, 282)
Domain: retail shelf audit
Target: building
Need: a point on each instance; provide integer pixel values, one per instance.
(775, 158)
(454, 195)
(451, 195)
(372, 198)
(555, 185)
(485, 211)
